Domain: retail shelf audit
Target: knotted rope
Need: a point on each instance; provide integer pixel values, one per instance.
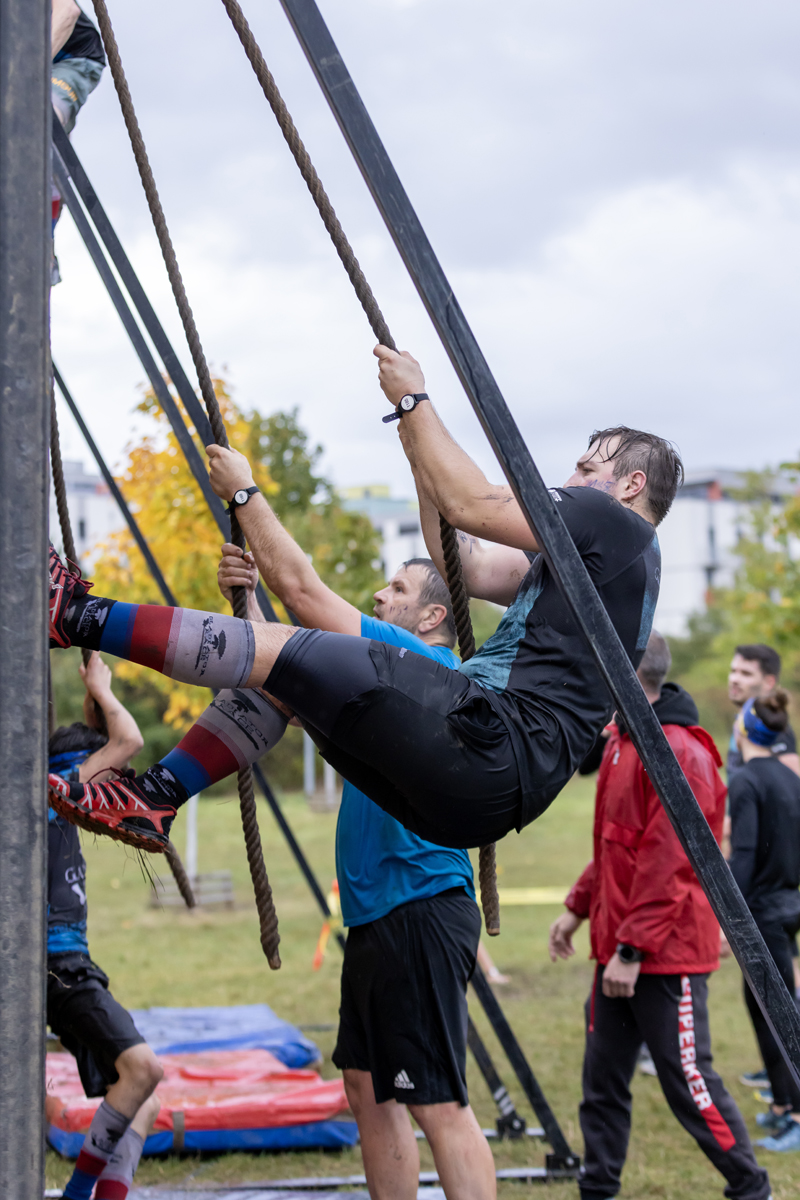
(460, 601)
(268, 918)
(70, 554)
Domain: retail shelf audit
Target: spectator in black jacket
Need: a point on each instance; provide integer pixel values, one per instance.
(765, 861)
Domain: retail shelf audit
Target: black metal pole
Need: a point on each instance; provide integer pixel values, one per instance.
(25, 397)
(522, 1070)
(157, 382)
(559, 550)
(111, 482)
(141, 303)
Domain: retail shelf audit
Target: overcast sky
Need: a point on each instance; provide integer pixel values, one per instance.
(613, 189)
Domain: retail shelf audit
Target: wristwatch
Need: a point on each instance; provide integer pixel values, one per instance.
(407, 404)
(629, 954)
(241, 497)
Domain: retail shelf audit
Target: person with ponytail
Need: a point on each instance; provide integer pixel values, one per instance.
(765, 861)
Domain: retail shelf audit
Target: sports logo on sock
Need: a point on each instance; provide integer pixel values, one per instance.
(209, 643)
(401, 1080)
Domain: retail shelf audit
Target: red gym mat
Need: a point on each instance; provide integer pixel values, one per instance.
(218, 1089)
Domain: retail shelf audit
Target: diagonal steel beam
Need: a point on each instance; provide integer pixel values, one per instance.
(552, 535)
(157, 382)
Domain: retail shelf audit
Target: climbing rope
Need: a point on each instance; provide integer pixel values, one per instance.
(268, 918)
(460, 601)
(70, 554)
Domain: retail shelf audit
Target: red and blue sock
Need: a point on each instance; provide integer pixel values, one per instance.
(106, 1132)
(209, 649)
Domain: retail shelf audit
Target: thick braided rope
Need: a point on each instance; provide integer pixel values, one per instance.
(366, 297)
(319, 195)
(247, 804)
(180, 876)
(70, 553)
(487, 859)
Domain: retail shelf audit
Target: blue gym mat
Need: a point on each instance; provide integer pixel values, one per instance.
(238, 1027)
(328, 1135)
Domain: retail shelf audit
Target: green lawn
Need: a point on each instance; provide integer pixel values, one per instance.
(180, 958)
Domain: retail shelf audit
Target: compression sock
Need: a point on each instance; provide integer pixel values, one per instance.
(204, 648)
(106, 1131)
(231, 734)
(117, 1178)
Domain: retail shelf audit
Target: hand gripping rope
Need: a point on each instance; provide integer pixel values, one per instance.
(71, 556)
(460, 601)
(268, 918)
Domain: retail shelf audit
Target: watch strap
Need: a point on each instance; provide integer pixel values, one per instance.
(400, 412)
(251, 491)
(629, 954)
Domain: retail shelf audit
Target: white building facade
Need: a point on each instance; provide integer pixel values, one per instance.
(93, 511)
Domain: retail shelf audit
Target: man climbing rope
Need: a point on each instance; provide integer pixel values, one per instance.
(78, 62)
(655, 939)
(458, 757)
(409, 905)
(113, 1058)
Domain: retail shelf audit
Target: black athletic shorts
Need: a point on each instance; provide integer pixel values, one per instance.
(403, 1015)
(88, 1021)
(417, 737)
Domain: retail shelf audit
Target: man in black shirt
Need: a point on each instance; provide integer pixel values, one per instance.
(765, 862)
(458, 757)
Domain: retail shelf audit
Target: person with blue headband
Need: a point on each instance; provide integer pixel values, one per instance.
(765, 861)
(113, 1058)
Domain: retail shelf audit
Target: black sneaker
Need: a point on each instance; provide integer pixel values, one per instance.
(64, 587)
(117, 808)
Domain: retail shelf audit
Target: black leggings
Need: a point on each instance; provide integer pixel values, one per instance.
(417, 737)
(780, 940)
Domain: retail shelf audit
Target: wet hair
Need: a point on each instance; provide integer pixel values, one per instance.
(773, 710)
(434, 590)
(768, 659)
(656, 662)
(660, 461)
(69, 738)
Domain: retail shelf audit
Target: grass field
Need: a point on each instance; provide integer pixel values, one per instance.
(156, 958)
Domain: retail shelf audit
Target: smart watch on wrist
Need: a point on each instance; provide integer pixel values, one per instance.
(241, 497)
(407, 404)
(629, 954)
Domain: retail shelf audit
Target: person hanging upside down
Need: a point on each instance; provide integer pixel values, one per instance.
(113, 1058)
(458, 757)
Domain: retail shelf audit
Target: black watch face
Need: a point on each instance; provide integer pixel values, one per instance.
(407, 403)
(240, 497)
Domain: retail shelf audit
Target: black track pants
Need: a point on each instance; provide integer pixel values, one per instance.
(779, 937)
(670, 1013)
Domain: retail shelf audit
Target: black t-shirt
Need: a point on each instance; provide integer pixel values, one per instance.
(546, 686)
(83, 42)
(764, 799)
(786, 744)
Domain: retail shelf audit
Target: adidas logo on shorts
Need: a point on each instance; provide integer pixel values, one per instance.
(401, 1080)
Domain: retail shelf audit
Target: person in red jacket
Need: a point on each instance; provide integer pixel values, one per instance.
(655, 939)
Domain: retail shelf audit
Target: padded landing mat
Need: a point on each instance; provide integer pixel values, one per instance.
(219, 1100)
(237, 1027)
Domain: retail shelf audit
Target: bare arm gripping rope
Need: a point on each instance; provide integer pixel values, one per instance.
(70, 553)
(263, 892)
(466, 640)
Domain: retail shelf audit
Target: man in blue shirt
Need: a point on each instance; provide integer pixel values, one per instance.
(410, 907)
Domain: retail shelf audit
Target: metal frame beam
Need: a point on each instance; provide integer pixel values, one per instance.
(139, 343)
(551, 533)
(25, 251)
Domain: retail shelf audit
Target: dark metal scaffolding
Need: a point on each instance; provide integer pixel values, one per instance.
(25, 398)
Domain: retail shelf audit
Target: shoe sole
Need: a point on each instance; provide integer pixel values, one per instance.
(76, 814)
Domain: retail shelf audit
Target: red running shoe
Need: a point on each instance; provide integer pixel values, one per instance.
(63, 588)
(118, 808)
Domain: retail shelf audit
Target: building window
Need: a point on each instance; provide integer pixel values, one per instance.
(82, 529)
(409, 529)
